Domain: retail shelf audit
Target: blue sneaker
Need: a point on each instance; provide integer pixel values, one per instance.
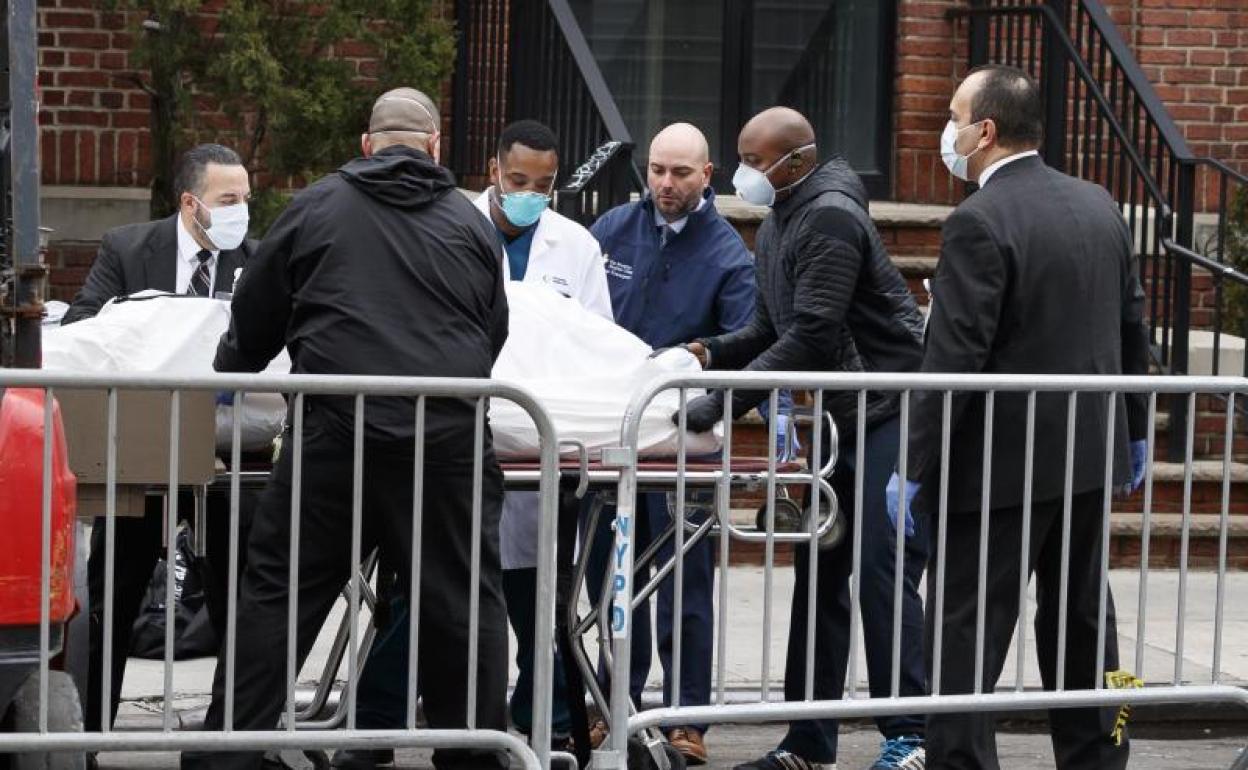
(902, 753)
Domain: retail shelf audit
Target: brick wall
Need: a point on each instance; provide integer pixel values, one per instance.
(1194, 51)
(931, 56)
(1196, 54)
(93, 116)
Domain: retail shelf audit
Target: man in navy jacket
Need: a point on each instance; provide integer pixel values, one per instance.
(677, 271)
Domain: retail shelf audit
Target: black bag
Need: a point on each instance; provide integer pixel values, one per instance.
(194, 636)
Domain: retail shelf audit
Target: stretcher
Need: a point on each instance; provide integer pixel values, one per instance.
(581, 477)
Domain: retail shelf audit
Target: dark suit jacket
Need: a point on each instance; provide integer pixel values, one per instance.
(144, 256)
(1036, 276)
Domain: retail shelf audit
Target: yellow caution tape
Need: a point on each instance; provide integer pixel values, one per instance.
(1121, 680)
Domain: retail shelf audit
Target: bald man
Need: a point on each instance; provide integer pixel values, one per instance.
(677, 270)
(381, 268)
(830, 299)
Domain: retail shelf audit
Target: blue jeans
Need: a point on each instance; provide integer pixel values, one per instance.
(816, 740)
(520, 589)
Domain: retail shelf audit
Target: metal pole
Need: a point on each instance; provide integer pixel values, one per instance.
(29, 270)
(1183, 209)
(1055, 84)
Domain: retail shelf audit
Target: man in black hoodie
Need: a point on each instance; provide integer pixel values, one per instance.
(829, 299)
(381, 268)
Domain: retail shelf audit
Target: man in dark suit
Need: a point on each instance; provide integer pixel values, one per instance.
(196, 251)
(1036, 276)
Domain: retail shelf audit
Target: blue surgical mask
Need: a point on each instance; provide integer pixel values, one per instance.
(754, 186)
(523, 208)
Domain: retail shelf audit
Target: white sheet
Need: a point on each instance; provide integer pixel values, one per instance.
(582, 368)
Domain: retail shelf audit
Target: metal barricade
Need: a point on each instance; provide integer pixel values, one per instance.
(624, 721)
(414, 392)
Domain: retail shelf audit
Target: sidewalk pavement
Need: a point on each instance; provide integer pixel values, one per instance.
(1154, 655)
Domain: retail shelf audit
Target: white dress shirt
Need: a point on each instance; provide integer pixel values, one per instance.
(987, 173)
(188, 262)
(679, 224)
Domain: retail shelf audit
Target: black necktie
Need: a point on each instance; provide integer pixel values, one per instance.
(665, 234)
(201, 281)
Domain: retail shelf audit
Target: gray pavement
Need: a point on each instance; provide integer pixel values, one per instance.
(1151, 650)
(1207, 749)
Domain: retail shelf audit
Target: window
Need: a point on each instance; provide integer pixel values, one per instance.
(714, 63)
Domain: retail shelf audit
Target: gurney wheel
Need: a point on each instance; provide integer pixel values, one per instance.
(639, 756)
(788, 516)
(835, 534)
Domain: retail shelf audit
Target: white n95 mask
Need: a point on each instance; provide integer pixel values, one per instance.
(753, 186)
(228, 226)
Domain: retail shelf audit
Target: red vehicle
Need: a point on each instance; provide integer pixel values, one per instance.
(22, 435)
(21, 574)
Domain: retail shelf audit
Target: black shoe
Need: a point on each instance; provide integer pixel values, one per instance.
(779, 759)
(362, 759)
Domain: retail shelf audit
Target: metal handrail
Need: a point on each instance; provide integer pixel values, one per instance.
(1221, 167)
(592, 75)
(1137, 81)
(1085, 73)
(1220, 270)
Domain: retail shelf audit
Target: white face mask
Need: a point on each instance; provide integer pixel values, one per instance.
(227, 226)
(753, 186)
(953, 161)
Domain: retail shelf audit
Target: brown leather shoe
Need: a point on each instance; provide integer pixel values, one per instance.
(688, 742)
(597, 733)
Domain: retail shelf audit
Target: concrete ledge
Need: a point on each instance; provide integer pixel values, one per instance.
(885, 213)
(916, 267)
(1202, 471)
(86, 213)
(1203, 525)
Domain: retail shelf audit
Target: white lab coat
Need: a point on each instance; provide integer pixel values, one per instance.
(566, 257)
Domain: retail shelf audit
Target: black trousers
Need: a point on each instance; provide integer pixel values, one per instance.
(816, 739)
(138, 545)
(325, 567)
(1081, 737)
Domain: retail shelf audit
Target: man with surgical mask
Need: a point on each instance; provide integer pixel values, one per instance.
(542, 245)
(547, 248)
(196, 251)
(1037, 275)
(830, 299)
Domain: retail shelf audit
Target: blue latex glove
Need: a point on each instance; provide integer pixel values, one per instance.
(892, 496)
(787, 446)
(225, 398)
(1139, 462)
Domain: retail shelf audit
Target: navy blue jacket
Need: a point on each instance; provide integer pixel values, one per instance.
(700, 284)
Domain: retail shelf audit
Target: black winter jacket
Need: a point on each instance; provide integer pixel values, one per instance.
(381, 268)
(829, 297)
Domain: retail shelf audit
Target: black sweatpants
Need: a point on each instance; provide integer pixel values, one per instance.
(138, 544)
(1081, 737)
(325, 567)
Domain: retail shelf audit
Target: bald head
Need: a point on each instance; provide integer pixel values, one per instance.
(678, 170)
(784, 127)
(779, 142)
(402, 116)
(681, 141)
